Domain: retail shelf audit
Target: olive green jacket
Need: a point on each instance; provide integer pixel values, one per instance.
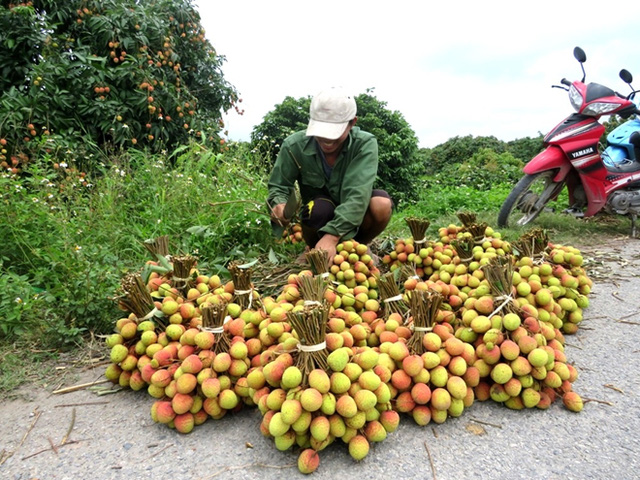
(350, 184)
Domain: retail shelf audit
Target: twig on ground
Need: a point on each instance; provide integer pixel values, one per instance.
(80, 404)
(242, 467)
(627, 322)
(53, 445)
(162, 450)
(485, 423)
(612, 387)
(586, 400)
(79, 387)
(433, 467)
(7, 455)
(54, 448)
(73, 422)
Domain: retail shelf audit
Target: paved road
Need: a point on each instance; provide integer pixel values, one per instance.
(118, 440)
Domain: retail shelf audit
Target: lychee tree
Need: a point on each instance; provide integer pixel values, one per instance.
(108, 73)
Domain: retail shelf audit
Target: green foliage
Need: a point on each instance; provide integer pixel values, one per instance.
(458, 150)
(524, 149)
(286, 118)
(482, 171)
(399, 166)
(71, 237)
(108, 72)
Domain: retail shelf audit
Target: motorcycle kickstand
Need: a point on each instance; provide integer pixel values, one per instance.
(634, 228)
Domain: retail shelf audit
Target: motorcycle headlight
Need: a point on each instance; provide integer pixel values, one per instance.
(575, 98)
(600, 108)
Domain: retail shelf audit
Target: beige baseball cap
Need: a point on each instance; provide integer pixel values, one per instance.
(331, 110)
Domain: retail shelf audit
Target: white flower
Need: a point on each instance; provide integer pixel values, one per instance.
(77, 248)
(18, 300)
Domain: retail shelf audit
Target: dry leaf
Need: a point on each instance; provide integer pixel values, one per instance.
(475, 429)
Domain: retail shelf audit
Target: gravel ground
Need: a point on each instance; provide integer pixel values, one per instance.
(113, 436)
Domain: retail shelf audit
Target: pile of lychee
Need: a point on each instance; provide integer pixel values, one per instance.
(382, 362)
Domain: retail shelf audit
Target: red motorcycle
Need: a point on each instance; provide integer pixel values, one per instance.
(571, 157)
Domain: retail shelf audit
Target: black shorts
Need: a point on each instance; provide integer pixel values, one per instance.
(320, 211)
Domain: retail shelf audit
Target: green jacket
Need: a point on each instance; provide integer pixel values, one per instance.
(350, 184)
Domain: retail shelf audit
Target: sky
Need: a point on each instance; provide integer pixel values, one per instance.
(452, 68)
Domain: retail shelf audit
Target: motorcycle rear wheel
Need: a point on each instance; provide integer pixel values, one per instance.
(528, 198)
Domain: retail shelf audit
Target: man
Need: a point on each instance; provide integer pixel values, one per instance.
(335, 164)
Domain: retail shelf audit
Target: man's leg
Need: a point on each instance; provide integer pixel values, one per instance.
(377, 217)
(315, 215)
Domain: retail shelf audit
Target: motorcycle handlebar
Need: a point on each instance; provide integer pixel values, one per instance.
(566, 82)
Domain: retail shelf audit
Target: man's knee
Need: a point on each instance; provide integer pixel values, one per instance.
(381, 208)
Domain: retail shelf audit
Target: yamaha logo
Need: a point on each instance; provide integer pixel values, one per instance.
(582, 153)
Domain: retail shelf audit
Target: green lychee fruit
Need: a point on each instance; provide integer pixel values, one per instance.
(358, 447)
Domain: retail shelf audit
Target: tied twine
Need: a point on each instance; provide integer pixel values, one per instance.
(324, 275)
(245, 292)
(179, 279)
(150, 314)
(312, 302)
(422, 329)
(217, 330)
(397, 298)
(481, 241)
(312, 348)
(420, 242)
(506, 298)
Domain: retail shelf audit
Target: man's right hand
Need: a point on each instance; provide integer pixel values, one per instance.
(328, 243)
(277, 214)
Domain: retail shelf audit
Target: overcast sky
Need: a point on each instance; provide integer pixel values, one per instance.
(454, 68)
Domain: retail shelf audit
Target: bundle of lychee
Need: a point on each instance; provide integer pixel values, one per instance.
(134, 334)
(547, 280)
(319, 397)
(202, 374)
(519, 357)
(353, 275)
(427, 373)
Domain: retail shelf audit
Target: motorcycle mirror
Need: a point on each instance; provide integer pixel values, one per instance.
(626, 76)
(579, 55)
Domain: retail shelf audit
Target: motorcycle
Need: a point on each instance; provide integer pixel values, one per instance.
(571, 158)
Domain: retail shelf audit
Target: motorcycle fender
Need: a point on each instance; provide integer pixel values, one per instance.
(551, 158)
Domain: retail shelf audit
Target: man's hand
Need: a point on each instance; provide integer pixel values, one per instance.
(277, 214)
(328, 243)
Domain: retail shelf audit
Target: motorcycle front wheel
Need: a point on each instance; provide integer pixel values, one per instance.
(528, 198)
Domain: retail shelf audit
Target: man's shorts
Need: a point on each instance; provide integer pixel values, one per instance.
(320, 211)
